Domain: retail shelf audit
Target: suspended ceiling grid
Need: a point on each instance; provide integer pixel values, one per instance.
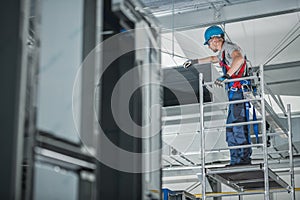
(185, 15)
(174, 14)
(165, 7)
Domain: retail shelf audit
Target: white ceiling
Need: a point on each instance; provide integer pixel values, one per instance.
(191, 14)
(257, 37)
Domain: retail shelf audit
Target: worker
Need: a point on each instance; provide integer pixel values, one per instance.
(233, 62)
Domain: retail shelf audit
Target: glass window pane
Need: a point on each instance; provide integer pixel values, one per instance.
(52, 182)
(60, 58)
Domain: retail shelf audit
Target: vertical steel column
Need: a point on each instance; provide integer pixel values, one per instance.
(264, 135)
(291, 152)
(202, 144)
(216, 187)
(13, 82)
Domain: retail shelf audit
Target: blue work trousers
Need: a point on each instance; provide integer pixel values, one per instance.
(238, 135)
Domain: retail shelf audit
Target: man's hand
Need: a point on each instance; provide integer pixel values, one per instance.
(220, 80)
(190, 62)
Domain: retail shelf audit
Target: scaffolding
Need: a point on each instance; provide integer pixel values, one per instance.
(256, 178)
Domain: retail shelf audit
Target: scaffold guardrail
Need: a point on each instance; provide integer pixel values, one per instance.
(270, 179)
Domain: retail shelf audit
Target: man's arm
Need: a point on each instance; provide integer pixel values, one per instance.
(212, 59)
(237, 62)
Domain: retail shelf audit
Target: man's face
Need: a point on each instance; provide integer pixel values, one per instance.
(215, 44)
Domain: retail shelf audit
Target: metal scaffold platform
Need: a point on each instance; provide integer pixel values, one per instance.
(248, 179)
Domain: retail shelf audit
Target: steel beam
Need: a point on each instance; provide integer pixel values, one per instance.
(227, 14)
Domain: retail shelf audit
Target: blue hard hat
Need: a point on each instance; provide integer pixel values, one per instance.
(212, 31)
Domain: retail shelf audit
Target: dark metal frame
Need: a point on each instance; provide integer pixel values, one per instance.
(36, 142)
